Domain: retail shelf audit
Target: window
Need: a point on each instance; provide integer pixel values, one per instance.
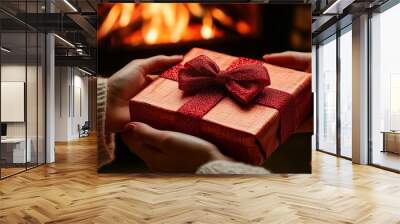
(22, 76)
(326, 98)
(346, 92)
(385, 89)
(335, 137)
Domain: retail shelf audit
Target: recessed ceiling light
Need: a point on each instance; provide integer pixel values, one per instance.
(84, 71)
(65, 41)
(337, 7)
(5, 50)
(70, 5)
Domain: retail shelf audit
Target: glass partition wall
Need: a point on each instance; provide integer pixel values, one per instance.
(22, 93)
(345, 92)
(385, 89)
(326, 99)
(334, 89)
(334, 94)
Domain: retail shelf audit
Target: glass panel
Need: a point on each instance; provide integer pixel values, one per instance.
(32, 88)
(313, 79)
(13, 86)
(385, 89)
(23, 89)
(345, 94)
(327, 96)
(41, 98)
(31, 97)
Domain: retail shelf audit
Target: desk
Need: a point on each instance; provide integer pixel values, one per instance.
(391, 141)
(13, 150)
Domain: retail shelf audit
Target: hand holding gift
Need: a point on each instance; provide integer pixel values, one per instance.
(161, 150)
(127, 82)
(244, 116)
(173, 151)
(168, 151)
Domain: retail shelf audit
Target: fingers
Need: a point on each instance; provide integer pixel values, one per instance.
(157, 63)
(135, 143)
(148, 135)
(290, 59)
(167, 140)
(128, 81)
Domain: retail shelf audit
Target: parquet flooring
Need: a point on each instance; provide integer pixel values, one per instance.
(70, 191)
(10, 171)
(387, 159)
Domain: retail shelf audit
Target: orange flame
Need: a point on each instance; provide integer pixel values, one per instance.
(126, 13)
(243, 27)
(181, 24)
(109, 22)
(207, 27)
(219, 15)
(166, 22)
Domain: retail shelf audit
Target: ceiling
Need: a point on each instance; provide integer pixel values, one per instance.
(72, 20)
(332, 15)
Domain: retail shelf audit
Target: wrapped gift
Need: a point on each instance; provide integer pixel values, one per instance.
(246, 107)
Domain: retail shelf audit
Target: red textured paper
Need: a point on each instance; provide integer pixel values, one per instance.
(249, 134)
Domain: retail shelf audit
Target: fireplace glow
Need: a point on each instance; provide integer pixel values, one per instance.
(207, 27)
(159, 23)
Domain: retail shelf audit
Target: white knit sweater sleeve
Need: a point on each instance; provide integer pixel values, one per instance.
(229, 167)
(105, 141)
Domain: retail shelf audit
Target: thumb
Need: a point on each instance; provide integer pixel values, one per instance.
(289, 59)
(136, 144)
(148, 135)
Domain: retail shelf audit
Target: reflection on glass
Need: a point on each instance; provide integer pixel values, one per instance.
(22, 90)
(345, 94)
(32, 86)
(327, 96)
(385, 84)
(31, 97)
(15, 151)
(41, 99)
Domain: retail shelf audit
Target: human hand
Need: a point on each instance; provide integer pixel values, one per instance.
(127, 82)
(168, 151)
(290, 59)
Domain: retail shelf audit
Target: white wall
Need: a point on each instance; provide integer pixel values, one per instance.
(80, 103)
(61, 103)
(70, 83)
(12, 73)
(33, 127)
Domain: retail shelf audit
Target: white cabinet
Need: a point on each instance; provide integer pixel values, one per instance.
(16, 150)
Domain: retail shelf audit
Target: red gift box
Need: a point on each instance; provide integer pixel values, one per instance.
(247, 132)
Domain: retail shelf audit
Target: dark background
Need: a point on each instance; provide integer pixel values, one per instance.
(284, 27)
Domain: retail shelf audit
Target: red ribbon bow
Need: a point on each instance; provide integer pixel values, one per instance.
(243, 82)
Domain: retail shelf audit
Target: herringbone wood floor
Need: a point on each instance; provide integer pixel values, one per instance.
(70, 191)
